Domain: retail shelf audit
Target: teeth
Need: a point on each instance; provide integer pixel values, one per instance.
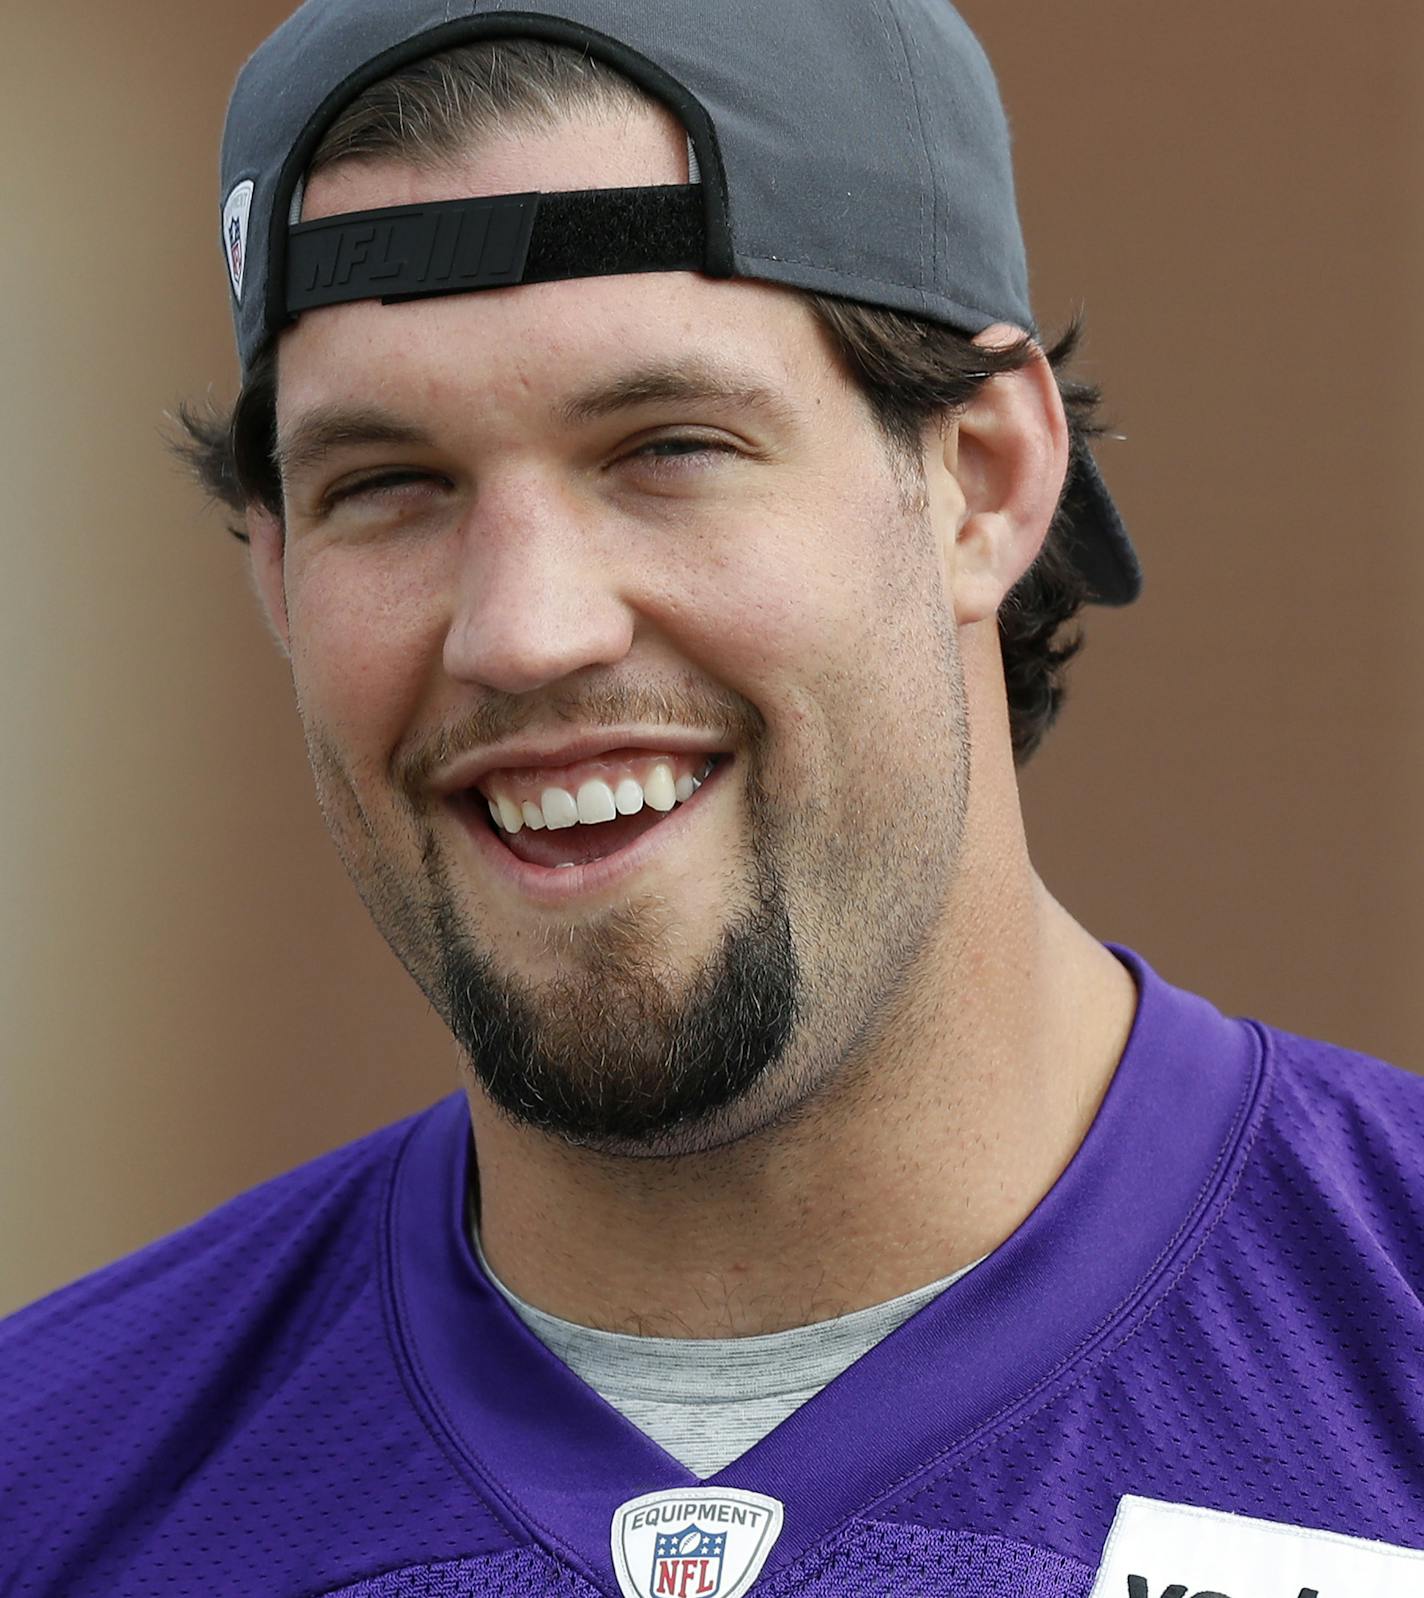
(596, 801)
(658, 790)
(628, 796)
(511, 817)
(560, 808)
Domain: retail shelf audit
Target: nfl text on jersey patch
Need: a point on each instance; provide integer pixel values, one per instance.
(696, 1542)
(1160, 1550)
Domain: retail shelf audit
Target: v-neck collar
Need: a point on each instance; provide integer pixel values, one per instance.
(559, 1460)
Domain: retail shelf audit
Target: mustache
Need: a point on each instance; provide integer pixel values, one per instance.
(687, 702)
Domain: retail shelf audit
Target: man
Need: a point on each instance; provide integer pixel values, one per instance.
(656, 483)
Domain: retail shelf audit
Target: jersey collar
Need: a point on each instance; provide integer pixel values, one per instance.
(1099, 1247)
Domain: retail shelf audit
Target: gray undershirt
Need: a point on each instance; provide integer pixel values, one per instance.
(706, 1400)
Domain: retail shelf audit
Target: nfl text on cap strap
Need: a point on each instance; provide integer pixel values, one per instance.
(407, 252)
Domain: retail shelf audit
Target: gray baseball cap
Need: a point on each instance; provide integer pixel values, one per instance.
(849, 147)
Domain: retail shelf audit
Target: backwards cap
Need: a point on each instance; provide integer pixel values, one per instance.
(849, 147)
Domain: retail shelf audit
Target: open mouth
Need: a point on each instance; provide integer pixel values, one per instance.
(561, 842)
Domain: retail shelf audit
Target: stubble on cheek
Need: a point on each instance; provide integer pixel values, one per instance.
(352, 829)
(880, 844)
(394, 864)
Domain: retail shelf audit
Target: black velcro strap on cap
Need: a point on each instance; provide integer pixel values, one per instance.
(407, 252)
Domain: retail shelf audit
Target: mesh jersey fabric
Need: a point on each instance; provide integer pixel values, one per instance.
(314, 1391)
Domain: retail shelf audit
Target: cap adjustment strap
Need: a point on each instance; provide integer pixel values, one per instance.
(408, 252)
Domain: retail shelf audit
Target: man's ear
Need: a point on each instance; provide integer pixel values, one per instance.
(266, 542)
(1008, 453)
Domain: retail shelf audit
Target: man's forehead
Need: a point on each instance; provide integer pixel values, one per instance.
(573, 347)
(591, 149)
(588, 343)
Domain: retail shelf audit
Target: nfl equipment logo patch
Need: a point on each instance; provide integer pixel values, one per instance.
(234, 227)
(697, 1542)
(688, 1564)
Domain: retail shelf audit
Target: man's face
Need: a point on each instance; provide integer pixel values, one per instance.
(623, 506)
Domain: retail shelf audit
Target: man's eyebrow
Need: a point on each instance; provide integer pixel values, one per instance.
(325, 428)
(683, 382)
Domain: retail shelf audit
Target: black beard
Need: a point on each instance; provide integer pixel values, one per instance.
(608, 1058)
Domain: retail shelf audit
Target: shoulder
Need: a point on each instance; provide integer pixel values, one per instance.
(1360, 1117)
(1340, 1151)
(274, 1225)
(113, 1363)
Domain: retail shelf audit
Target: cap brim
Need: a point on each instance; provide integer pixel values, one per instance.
(1096, 537)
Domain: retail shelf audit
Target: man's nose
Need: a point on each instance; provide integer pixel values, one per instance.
(536, 596)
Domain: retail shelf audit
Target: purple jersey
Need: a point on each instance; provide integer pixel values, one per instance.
(314, 1390)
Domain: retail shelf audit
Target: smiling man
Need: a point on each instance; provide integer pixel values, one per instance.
(655, 480)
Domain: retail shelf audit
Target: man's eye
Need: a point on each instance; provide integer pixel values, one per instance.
(659, 450)
(377, 485)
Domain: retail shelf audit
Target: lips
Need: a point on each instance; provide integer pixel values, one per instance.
(559, 885)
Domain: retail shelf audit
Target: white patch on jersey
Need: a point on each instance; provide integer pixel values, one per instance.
(694, 1542)
(234, 233)
(1160, 1550)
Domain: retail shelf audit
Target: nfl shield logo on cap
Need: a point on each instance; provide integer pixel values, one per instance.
(696, 1542)
(236, 210)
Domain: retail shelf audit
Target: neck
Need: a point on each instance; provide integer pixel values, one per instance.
(908, 1167)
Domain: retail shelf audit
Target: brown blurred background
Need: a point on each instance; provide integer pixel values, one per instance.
(191, 995)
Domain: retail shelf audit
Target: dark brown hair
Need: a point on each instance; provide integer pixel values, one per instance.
(911, 371)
